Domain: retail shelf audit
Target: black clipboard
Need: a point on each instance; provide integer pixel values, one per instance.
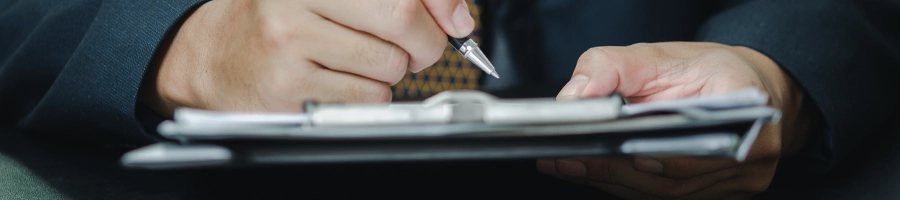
(719, 126)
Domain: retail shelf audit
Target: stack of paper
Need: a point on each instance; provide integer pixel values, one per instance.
(462, 125)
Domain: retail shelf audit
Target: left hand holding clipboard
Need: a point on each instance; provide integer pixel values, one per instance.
(665, 71)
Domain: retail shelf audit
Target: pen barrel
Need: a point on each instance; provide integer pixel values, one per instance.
(457, 42)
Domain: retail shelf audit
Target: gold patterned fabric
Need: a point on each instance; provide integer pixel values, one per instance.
(451, 72)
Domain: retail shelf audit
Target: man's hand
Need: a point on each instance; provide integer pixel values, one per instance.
(271, 55)
(663, 71)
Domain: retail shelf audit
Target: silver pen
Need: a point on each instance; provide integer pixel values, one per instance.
(469, 49)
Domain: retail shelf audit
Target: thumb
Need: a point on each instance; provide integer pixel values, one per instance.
(602, 71)
(452, 15)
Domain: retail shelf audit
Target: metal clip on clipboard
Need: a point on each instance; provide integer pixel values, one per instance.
(466, 107)
(465, 125)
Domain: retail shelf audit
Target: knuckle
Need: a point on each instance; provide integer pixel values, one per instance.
(403, 14)
(397, 62)
(431, 53)
(388, 64)
(274, 35)
(307, 81)
(375, 93)
(597, 55)
(425, 59)
(363, 52)
(599, 58)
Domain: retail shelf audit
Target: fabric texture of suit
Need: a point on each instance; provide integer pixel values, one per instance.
(73, 68)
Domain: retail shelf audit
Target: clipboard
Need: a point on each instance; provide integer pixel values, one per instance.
(460, 125)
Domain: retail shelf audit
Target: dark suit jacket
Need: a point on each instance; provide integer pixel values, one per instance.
(73, 68)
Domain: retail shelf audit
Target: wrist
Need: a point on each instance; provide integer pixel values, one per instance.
(785, 95)
(165, 85)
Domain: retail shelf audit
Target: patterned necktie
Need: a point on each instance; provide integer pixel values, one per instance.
(451, 72)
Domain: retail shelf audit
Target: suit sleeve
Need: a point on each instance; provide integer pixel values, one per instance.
(844, 54)
(73, 68)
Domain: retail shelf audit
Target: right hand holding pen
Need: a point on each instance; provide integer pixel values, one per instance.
(271, 55)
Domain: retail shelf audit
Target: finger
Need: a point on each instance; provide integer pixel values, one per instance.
(354, 52)
(452, 15)
(286, 88)
(601, 71)
(682, 167)
(323, 85)
(405, 23)
(619, 171)
(739, 187)
(766, 148)
(640, 72)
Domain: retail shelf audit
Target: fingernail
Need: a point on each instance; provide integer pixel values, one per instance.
(462, 20)
(571, 167)
(647, 164)
(573, 89)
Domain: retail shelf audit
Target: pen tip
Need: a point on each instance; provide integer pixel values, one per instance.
(495, 75)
